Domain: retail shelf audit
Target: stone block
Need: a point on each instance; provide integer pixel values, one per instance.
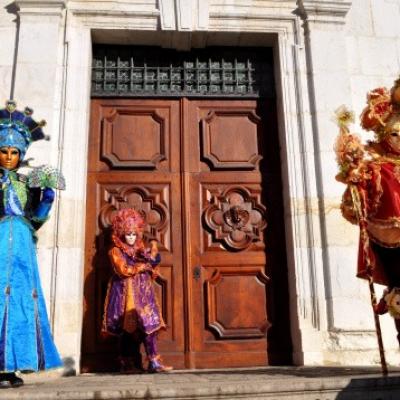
(69, 269)
(332, 89)
(45, 261)
(353, 56)
(38, 43)
(328, 170)
(359, 18)
(378, 56)
(34, 84)
(385, 16)
(70, 230)
(350, 313)
(80, 48)
(5, 83)
(342, 259)
(7, 48)
(328, 51)
(340, 233)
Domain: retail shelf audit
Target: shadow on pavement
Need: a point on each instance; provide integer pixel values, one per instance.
(371, 389)
(306, 372)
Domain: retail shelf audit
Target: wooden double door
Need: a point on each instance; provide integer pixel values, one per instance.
(206, 176)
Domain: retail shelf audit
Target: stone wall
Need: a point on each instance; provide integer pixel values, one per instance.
(327, 52)
(370, 58)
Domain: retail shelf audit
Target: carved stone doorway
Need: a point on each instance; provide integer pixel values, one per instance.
(206, 174)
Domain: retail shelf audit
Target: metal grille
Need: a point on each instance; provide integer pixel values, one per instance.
(129, 71)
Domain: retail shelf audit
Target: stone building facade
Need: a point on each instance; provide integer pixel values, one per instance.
(326, 53)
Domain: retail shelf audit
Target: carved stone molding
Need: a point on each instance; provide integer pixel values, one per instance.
(41, 7)
(184, 15)
(150, 202)
(219, 319)
(324, 11)
(235, 218)
(167, 15)
(129, 15)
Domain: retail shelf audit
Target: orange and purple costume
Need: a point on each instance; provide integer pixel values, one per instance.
(131, 309)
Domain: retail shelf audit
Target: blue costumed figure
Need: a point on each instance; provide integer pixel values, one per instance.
(26, 343)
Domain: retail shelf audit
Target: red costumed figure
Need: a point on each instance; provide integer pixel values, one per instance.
(131, 309)
(372, 197)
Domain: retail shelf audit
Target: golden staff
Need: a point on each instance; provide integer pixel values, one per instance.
(358, 197)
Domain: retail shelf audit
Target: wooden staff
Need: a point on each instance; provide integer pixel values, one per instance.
(377, 327)
(360, 203)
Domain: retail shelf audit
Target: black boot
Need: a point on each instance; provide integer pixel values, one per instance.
(131, 365)
(138, 362)
(130, 358)
(10, 380)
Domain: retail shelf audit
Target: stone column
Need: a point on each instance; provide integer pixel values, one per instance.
(68, 316)
(39, 56)
(8, 35)
(348, 311)
(39, 83)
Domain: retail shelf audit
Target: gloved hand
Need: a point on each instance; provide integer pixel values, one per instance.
(43, 209)
(48, 195)
(154, 249)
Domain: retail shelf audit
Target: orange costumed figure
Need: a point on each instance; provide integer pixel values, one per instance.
(131, 309)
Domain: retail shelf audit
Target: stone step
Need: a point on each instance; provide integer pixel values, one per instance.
(273, 383)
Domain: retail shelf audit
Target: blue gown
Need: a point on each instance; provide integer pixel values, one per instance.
(26, 343)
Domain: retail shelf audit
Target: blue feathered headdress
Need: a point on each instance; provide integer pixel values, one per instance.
(18, 129)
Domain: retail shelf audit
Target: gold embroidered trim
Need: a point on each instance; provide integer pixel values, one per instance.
(392, 222)
(396, 172)
(383, 244)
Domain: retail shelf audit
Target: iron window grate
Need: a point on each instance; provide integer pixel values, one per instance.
(130, 71)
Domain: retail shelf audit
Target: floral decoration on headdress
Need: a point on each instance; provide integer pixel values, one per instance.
(127, 221)
(381, 111)
(18, 128)
(378, 110)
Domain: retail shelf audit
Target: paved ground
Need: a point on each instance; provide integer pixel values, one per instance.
(294, 383)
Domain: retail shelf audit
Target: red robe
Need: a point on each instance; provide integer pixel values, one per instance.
(382, 210)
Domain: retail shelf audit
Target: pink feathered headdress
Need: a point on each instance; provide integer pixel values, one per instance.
(126, 221)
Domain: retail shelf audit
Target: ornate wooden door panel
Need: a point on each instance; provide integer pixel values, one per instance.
(134, 160)
(227, 260)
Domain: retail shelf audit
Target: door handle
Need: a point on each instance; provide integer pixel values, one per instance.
(197, 273)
